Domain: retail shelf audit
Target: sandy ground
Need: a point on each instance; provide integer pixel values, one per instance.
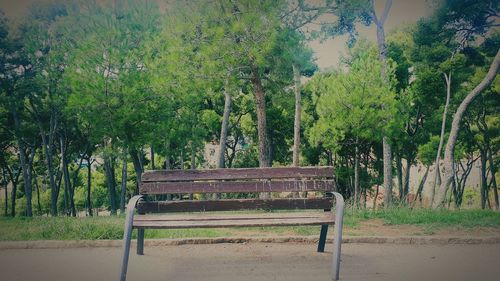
(377, 227)
(256, 261)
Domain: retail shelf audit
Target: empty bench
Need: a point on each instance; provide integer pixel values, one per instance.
(317, 181)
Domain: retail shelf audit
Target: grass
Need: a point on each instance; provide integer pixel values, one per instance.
(444, 218)
(86, 228)
(95, 228)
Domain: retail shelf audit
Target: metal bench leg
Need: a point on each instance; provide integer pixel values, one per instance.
(322, 238)
(324, 229)
(337, 234)
(140, 241)
(127, 235)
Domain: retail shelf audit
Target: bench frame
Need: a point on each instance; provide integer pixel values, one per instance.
(337, 241)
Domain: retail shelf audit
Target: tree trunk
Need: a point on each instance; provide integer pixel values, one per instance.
(357, 193)
(375, 198)
(493, 178)
(260, 104)
(13, 200)
(14, 179)
(111, 182)
(460, 181)
(167, 155)
(28, 180)
(454, 188)
(39, 205)
(441, 137)
(59, 180)
(124, 184)
(224, 128)
(152, 157)
(455, 129)
(420, 188)
(387, 172)
(296, 123)
(193, 164)
(67, 183)
(296, 126)
(382, 52)
(89, 183)
(399, 175)
(65, 193)
(6, 202)
(167, 162)
(365, 196)
(24, 164)
(484, 179)
(6, 183)
(181, 159)
(406, 184)
(134, 154)
(437, 179)
(141, 159)
(72, 187)
(50, 171)
(48, 147)
(193, 157)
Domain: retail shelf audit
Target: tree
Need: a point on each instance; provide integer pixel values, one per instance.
(436, 55)
(297, 17)
(354, 103)
(43, 39)
(476, 20)
(425, 155)
(109, 82)
(382, 51)
(243, 46)
(455, 127)
(16, 88)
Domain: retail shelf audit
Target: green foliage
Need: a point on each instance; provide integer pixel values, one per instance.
(247, 158)
(109, 83)
(427, 152)
(349, 13)
(358, 102)
(109, 78)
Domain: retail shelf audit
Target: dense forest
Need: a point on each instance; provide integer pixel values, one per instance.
(93, 93)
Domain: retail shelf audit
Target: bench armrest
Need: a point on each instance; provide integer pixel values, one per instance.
(337, 240)
(133, 202)
(127, 234)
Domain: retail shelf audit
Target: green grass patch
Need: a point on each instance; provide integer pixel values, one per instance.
(87, 228)
(96, 228)
(440, 218)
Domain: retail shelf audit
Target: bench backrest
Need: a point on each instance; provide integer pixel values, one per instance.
(296, 179)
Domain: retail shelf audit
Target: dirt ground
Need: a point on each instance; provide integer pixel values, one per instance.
(256, 261)
(377, 227)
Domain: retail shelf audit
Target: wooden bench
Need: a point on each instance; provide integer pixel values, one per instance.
(315, 180)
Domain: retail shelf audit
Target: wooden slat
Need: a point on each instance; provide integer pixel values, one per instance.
(212, 216)
(255, 222)
(235, 174)
(236, 186)
(233, 205)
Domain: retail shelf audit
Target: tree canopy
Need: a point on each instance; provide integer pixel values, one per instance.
(92, 90)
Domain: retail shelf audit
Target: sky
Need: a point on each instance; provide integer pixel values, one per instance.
(402, 12)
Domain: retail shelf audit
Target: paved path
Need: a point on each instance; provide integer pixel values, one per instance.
(257, 261)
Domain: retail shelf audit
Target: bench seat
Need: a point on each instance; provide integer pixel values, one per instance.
(233, 220)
